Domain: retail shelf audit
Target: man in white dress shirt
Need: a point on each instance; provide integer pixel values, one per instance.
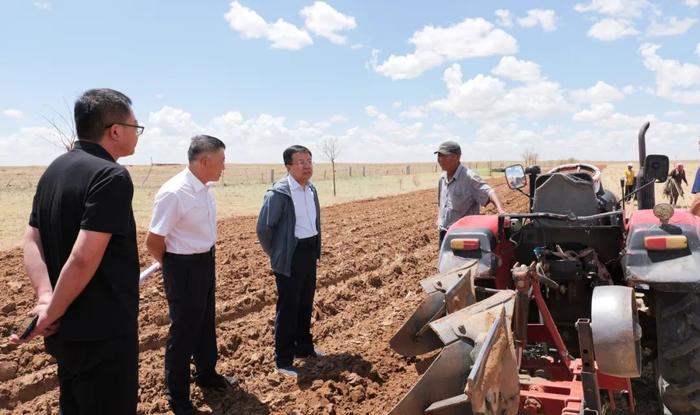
(182, 237)
(289, 231)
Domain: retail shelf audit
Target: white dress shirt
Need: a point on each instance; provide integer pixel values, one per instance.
(304, 209)
(184, 212)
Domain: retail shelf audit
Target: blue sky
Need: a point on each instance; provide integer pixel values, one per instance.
(389, 80)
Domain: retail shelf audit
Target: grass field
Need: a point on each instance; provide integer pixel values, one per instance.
(242, 187)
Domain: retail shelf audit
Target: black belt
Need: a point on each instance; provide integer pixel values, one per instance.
(308, 242)
(193, 257)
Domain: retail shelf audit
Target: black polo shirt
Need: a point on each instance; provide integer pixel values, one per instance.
(86, 189)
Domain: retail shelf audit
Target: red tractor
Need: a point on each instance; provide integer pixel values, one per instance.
(538, 312)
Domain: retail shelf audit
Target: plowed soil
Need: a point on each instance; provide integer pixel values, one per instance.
(374, 253)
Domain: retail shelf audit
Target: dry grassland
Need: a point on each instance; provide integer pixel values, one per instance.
(242, 187)
(240, 191)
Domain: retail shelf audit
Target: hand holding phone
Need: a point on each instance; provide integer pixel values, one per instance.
(29, 324)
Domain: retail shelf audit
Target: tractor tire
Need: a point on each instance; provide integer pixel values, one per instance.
(678, 361)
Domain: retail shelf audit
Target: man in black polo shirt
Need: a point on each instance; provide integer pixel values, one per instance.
(81, 257)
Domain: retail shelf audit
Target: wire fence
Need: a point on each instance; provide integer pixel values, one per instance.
(146, 176)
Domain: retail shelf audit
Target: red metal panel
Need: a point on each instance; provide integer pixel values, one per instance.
(489, 222)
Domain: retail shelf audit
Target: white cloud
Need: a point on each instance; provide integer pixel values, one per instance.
(13, 113)
(676, 81)
(605, 117)
(621, 8)
(396, 104)
(612, 29)
(323, 20)
(356, 46)
(692, 3)
(674, 113)
(251, 25)
(173, 121)
(496, 136)
(30, 146)
(597, 94)
(414, 112)
(671, 27)
(517, 70)
(629, 89)
(44, 5)
(504, 17)
(228, 119)
(435, 45)
(484, 97)
(284, 35)
(595, 113)
(539, 17)
(371, 111)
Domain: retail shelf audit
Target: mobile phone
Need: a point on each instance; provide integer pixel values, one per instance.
(29, 324)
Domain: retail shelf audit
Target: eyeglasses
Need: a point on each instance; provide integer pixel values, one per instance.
(304, 163)
(139, 128)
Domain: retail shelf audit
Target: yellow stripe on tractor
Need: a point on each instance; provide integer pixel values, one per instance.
(665, 242)
(465, 244)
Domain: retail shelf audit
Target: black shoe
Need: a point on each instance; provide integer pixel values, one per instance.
(184, 408)
(218, 382)
(313, 354)
(290, 371)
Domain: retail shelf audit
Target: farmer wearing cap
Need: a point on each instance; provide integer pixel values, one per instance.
(460, 191)
(629, 181)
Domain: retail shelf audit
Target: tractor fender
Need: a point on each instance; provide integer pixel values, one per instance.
(672, 270)
(481, 227)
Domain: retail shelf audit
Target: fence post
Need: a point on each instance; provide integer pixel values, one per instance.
(408, 169)
(272, 176)
(324, 174)
(350, 171)
(363, 171)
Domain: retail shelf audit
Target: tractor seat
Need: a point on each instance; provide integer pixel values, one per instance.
(565, 194)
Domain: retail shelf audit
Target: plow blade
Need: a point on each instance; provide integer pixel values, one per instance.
(446, 293)
(446, 378)
(493, 385)
(456, 383)
(474, 321)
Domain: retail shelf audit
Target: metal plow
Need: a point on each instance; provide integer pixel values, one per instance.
(468, 379)
(446, 293)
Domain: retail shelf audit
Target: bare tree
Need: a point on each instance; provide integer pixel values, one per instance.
(530, 157)
(64, 129)
(331, 149)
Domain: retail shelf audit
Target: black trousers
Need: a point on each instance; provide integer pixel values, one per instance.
(97, 377)
(295, 301)
(190, 289)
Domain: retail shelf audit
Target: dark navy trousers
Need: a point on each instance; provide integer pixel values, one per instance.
(190, 284)
(295, 300)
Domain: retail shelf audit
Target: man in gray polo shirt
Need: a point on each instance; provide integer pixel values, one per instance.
(460, 191)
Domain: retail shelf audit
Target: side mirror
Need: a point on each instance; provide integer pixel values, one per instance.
(515, 176)
(656, 167)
